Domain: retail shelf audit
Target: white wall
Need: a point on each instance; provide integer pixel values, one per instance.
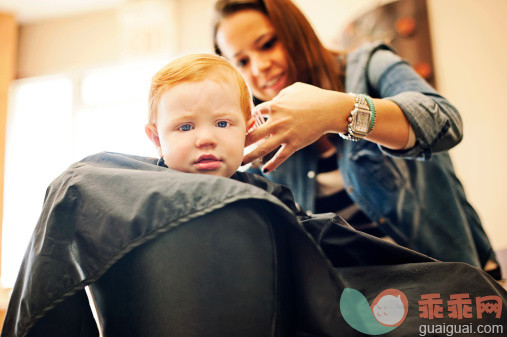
(68, 43)
(471, 70)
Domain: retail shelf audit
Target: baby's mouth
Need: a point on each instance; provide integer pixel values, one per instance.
(207, 162)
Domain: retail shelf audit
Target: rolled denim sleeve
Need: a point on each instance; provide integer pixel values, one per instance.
(436, 123)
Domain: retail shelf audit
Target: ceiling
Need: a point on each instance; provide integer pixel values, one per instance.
(28, 11)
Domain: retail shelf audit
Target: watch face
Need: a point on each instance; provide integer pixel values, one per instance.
(362, 122)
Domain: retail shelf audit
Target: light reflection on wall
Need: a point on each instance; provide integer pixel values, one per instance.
(57, 120)
(37, 149)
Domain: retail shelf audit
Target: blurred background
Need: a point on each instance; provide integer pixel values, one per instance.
(74, 79)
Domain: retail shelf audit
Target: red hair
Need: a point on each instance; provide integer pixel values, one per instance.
(195, 68)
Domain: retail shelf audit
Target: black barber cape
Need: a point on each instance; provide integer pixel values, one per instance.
(104, 206)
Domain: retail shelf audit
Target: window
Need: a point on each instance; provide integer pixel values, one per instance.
(54, 121)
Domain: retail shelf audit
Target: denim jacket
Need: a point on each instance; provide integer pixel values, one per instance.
(413, 195)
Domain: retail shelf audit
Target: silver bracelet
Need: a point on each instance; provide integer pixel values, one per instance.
(360, 120)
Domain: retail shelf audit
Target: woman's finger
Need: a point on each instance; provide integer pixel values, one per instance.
(281, 155)
(270, 144)
(264, 108)
(258, 134)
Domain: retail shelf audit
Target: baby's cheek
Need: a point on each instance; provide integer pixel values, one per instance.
(240, 143)
(175, 152)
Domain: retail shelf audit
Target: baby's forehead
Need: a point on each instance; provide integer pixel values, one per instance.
(207, 96)
(222, 83)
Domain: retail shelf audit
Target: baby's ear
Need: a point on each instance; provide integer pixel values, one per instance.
(152, 133)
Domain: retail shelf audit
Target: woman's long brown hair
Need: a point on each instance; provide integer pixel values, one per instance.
(308, 58)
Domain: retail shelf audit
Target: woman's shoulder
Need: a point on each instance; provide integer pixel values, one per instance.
(361, 59)
(362, 53)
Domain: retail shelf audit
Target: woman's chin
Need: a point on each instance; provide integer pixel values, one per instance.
(267, 95)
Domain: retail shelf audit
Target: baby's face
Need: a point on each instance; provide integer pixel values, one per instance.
(201, 128)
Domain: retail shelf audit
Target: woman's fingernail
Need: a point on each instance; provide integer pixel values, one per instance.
(265, 170)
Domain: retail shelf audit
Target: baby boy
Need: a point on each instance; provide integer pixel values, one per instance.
(199, 108)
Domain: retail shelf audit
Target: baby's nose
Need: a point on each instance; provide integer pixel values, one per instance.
(205, 138)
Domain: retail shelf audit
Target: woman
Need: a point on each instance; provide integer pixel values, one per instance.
(392, 175)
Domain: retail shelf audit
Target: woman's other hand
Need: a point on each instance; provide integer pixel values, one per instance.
(298, 116)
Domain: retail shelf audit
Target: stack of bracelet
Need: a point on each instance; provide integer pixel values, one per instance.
(362, 118)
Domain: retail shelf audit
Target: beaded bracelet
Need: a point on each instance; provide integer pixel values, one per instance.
(372, 109)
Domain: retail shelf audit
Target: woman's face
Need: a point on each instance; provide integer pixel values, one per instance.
(247, 38)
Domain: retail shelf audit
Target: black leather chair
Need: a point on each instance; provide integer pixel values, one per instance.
(247, 269)
(224, 274)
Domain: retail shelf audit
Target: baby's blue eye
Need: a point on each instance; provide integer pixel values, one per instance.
(223, 124)
(185, 127)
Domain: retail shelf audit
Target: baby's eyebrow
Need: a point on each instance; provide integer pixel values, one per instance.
(183, 117)
(223, 114)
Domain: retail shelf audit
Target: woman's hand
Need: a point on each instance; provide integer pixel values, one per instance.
(298, 116)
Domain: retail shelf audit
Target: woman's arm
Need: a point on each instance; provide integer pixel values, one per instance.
(303, 113)
(436, 123)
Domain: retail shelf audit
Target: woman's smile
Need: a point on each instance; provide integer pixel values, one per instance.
(276, 83)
